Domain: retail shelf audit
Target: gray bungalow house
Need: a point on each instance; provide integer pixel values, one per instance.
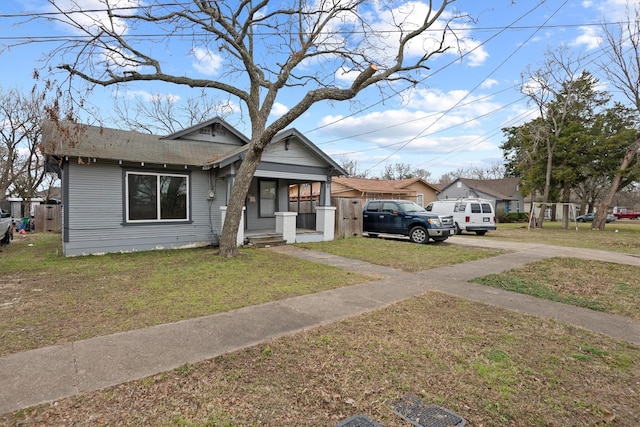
(504, 192)
(125, 191)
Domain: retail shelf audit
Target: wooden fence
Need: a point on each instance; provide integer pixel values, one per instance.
(48, 218)
(348, 217)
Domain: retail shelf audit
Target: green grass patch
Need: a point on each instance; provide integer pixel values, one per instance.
(48, 299)
(599, 286)
(619, 236)
(402, 254)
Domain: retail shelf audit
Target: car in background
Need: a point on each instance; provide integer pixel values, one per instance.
(470, 214)
(6, 228)
(591, 216)
(405, 218)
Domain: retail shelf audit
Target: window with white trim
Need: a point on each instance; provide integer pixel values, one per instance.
(156, 197)
(268, 198)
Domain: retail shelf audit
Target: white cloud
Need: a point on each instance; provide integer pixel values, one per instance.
(206, 62)
(145, 96)
(488, 83)
(411, 16)
(609, 11)
(279, 109)
(589, 38)
(96, 18)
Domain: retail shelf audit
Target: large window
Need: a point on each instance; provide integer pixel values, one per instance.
(157, 197)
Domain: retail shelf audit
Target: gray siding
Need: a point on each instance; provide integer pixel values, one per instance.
(295, 153)
(94, 221)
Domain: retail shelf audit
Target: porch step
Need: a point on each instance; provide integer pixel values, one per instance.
(266, 240)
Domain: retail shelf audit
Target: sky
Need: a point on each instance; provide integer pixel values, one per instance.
(451, 119)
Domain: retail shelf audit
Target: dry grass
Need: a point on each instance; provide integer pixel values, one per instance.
(618, 236)
(601, 286)
(493, 367)
(47, 299)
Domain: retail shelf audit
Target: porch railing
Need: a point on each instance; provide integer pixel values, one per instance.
(306, 220)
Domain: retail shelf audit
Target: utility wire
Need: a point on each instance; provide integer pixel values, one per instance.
(479, 84)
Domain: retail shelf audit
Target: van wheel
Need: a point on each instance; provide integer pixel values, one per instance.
(481, 233)
(8, 237)
(458, 229)
(418, 234)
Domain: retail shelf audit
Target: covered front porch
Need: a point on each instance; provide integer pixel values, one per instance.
(285, 229)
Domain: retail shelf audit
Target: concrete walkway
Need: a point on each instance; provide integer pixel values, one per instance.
(52, 373)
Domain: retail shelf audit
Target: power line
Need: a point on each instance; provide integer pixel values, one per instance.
(479, 84)
(42, 39)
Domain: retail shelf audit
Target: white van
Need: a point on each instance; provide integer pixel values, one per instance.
(473, 215)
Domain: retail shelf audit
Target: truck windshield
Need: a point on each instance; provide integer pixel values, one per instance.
(410, 207)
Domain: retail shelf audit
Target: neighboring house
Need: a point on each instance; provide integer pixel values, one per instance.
(504, 192)
(415, 189)
(128, 191)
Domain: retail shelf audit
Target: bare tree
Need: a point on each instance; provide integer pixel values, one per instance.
(21, 163)
(397, 171)
(404, 171)
(299, 52)
(167, 114)
(623, 71)
(555, 90)
(352, 168)
(495, 170)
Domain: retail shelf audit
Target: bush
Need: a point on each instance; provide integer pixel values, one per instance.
(516, 217)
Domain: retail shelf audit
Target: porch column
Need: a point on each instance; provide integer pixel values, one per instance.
(286, 225)
(240, 237)
(326, 221)
(325, 194)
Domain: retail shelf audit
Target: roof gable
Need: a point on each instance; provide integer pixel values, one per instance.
(280, 138)
(380, 185)
(209, 127)
(503, 188)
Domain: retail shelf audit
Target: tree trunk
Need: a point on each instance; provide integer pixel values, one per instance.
(565, 207)
(600, 220)
(228, 243)
(547, 188)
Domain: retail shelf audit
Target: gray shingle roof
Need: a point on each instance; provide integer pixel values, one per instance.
(503, 188)
(78, 140)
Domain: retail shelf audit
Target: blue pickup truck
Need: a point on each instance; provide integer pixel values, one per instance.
(405, 218)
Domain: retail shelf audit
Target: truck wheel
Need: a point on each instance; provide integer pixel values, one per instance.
(418, 234)
(481, 233)
(8, 237)
(458, 229)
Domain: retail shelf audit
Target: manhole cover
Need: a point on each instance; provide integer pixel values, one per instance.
(419, 414)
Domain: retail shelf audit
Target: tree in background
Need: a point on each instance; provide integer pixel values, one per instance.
(293, 50)
(404, 171)
(575, 144)
(556, 91)
(352, 168)
(21, 163)
(165, 114)
(623, 71)
(495, 170)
